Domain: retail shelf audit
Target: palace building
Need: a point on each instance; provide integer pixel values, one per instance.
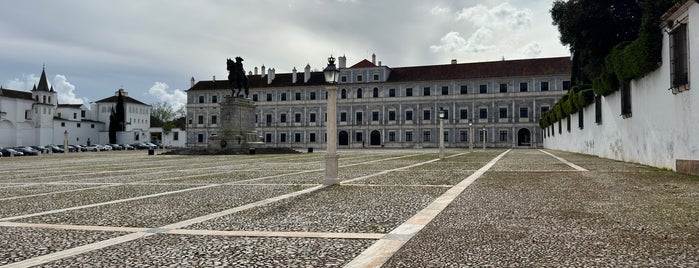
(493, 104)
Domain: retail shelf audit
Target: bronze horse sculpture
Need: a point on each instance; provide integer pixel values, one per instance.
(237, 77)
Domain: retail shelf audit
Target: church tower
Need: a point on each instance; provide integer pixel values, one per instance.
(45, 102)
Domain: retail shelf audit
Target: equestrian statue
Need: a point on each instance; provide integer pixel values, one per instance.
(237, 77)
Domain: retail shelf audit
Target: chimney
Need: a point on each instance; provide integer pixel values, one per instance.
(293, 76)
(255, 70)
(214, 78)
(307, 73)
(342, 62)
(379, 63)
(453, 61)
(270, 77)
(373, 58)
(263, 71)
(249, 72)
(192, 81)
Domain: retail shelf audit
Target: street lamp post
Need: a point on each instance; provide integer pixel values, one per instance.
(485, 136)
(65, 142)
(331, 74)
(470, 135)
(441, 134)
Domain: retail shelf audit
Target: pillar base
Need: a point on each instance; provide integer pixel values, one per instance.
(331, 167)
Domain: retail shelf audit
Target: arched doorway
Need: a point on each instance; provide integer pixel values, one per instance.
(375, 138)
(524, 137)
(344, 138)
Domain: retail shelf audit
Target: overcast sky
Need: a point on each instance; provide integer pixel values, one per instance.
(153, 48)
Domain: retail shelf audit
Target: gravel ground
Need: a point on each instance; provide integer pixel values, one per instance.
(335, 209)
(36, 204)
(590, 219)
(24, 243)
(529, 160)
(162, 210)
(200, 251)
(31, 189)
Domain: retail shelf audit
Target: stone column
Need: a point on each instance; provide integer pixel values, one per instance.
(331, 157)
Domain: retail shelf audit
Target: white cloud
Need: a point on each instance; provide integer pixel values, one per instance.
(532, 50)
(437, 10)
(23, 84)
(453, 42)
(501, 17)
(177, 98)
(66, 91)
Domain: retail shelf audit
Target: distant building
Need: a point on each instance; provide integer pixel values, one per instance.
(380, 106)
(36, 118)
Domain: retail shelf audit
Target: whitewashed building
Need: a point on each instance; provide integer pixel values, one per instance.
(661, 126)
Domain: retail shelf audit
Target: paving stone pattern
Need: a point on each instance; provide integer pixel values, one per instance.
(528, 210)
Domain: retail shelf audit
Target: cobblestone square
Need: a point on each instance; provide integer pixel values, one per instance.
(396, 208)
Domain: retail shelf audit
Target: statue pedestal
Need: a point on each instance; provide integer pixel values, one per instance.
(237, 126)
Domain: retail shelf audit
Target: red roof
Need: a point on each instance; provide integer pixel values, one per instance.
(364, 64)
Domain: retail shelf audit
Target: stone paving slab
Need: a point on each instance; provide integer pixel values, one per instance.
(23, 243)
(528, 161)
(163, 210)
(42, 203)
(19, 190)
(204, 251)
(335, 209)
(564, 219)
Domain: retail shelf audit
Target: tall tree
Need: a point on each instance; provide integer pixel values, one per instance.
(163, 112)
(120, 115)
(592, 28)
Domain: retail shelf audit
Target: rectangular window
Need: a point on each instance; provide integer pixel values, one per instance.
(312, 117)
(598, 110)
(445, 90)
(483, 113)
(75, 115)
(343, 79)
(312, 95)
(626, 100)
(282, 97)
(523, 87)
(426, 115)
(523, 112)
(268, 118)
(503, 135)
(282, 137)
(268, 138)
(359, 78)
(503, 88)
(463, 135)
(359, 118)
(391, 92)
(200, 138)
(580, 119)
(409, 115)
(200, 119)
(391, 136)
(201, 99)
(214, 99)
(566, 85)
(391, 115)
(463, 114)
(408, 136)
(214, 120)
(426, 135)
(297, 137)
(282, 118)
(269, 96)
(426, 91)
(297, 96)
(446, 114)
(297, 118)
(343, 117)
(445, 136)
(255, 97)
(358, 136)
(78, 124)
(376, 77)
(82, 114)
(92, 125)
(374, 116)
(409, 92)
(312, 137)
(679, 58)
(483, 89)
(503, 113)
(544, 86)
(463, 89)
(175, 136)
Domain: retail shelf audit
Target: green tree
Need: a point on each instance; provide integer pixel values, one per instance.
(162, 112)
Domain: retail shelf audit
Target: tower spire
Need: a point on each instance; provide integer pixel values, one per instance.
(43, 83)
